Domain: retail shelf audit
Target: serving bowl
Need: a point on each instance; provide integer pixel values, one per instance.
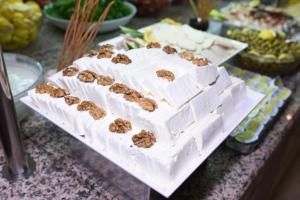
(267, 67)
(269, 53)
(107, 26)
(24, 73)
(151, 7)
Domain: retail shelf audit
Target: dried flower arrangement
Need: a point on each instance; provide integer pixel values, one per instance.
(81, 31)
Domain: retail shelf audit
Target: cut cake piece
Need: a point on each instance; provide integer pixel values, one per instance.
(165, 97)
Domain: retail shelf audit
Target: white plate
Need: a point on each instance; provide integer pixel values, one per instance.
(166, 190)
(238, 46)
(108, 25)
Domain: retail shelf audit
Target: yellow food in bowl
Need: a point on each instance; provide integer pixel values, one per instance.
(19, 23)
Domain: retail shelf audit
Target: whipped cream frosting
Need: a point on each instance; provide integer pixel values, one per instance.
(199, 98)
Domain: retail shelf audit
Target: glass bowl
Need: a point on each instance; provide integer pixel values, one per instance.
(19, 23)
(268, 67)
(24, 73)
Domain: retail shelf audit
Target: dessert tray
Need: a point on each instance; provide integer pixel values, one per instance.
(157, 112)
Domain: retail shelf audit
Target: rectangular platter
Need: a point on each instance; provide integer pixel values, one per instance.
(246, 137)
(238, 46)
(165, 189)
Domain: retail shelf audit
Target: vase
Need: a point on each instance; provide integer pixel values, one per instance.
(199, 24)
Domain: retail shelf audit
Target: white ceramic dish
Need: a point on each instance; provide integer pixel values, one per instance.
(238, 46)
(24, 74)
(108, 25)
(244, 108)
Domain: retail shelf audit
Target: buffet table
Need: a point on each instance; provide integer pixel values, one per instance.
(67, 169)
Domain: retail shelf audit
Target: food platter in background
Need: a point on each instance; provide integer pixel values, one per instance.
(246, 137)
(255, 16)
(268, 53)
(202, 44)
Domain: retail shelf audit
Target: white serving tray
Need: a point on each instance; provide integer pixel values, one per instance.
(239, 46)
(244, 108)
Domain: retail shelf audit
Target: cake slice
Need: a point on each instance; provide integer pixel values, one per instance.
(155, 109)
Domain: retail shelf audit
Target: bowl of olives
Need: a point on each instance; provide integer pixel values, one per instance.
(268, 52)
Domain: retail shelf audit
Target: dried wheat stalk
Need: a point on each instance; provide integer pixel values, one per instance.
(81, 31)
(194, 8)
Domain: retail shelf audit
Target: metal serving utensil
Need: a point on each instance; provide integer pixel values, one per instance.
(18, 164)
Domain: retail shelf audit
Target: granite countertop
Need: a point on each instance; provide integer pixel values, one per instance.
(67, 169)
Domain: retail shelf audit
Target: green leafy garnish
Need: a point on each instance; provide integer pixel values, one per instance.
(63, 9)
(132, 32)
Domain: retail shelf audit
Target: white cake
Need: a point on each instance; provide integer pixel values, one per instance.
(150, 89)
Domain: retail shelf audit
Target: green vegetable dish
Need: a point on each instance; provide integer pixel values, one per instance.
(63, 9)
(268, 52)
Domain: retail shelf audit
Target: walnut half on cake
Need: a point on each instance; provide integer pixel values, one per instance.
(59, 93)
(104, 80)
(52, 91)
(86, 106)
(122, 59)
(44, 88)
(71, 100)
(169, 50)
(95, 111)
(120, 126)
(186, 55)
(87, 76)
(200, 62)
(144, 139)
(119, 88)
(132, 95)
(152, 45)
(104, 53)
(70, 71)
(165, 74)
(147, 104)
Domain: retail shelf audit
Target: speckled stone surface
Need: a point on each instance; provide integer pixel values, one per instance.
(67, 169)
